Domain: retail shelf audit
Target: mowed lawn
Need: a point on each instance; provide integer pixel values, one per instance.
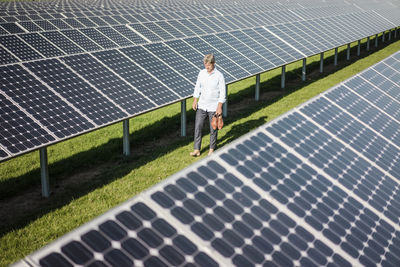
(88, 174)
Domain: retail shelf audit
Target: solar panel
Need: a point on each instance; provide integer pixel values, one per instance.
(138, 78)
(41, 44)
(61, 41)
(109, 83)
(82, 40)
(19, 48)
(76, 91)
(99, 38)
(247, 38)
(318, 186)
(19, 131)
(177, 83)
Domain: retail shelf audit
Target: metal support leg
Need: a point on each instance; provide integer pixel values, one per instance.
(390, 35)
(283, 77)
(303, 72)
(257, 92)
(336, 55)
(44, 172)
(395, 33)
(348, 52)
(383, 37)
(376, 40)
(183, 118)
(125, 139)
(358, 48)
(368, 43)
(225, 107)
(321, 62)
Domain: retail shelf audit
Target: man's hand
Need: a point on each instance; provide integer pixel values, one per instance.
(194, 105)
(219, 109)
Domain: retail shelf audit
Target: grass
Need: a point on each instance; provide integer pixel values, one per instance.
(89, 176)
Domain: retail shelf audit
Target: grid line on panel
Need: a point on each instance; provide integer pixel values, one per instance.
(109, 83)
(20, 131)
(239, 220)
(133, 73)
(323, 218)
(135, 234)
(75, 91)
(344, 164)
(160, 71)
(386, 157)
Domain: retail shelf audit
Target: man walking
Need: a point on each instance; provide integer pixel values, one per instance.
(209, 96)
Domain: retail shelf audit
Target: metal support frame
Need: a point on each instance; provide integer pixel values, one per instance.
(368, 43)
(283, 76)
(390, 35)
(183, 118)
(358, 48)
(395, 33)
(257, 91)
(336, 56)
(44, 172)
(225, 106)
(376, 40)
(125, 138)
(303, 71)
(383, 37)
(348, 52)
(321, 62)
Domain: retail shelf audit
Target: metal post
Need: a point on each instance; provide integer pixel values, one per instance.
(395, 33)
(376, 40)
(125, 139)
(225, 107)
(358, 48)
(348, 51)
(257, 92)
(336, 55)
(303, 72)
(383, 37)
(321, 62)
(390, 34)
(283, 76)
(368, 43)
(183, 118)
(44, 172)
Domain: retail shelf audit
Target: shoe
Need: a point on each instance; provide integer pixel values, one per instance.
(195, 153)
(210, 151)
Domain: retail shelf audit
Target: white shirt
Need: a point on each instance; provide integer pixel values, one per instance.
(210, 88)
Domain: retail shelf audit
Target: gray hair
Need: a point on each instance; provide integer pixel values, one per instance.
(209, 58)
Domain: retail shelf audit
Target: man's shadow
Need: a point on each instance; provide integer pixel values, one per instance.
(240, 129)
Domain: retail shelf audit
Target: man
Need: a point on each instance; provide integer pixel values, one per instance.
(209, 96)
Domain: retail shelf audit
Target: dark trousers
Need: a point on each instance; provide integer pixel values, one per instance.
(201, 115)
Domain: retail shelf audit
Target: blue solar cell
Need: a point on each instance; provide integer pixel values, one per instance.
(19, 48)
(62, 42)
(99, 38)
(136, 76)
(160, 70)
(76, 91)
(42, 45)
(12, 28)
(115, 36)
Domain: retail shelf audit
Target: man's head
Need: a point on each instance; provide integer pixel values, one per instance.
(209, 62)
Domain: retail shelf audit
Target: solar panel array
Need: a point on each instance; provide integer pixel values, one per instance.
(318, 186)
(69, 67)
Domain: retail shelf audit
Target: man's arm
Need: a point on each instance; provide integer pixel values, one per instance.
(196, 93)
(222, 94)
(194, 105)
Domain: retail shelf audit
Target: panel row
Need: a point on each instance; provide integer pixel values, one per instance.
(318, 186)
